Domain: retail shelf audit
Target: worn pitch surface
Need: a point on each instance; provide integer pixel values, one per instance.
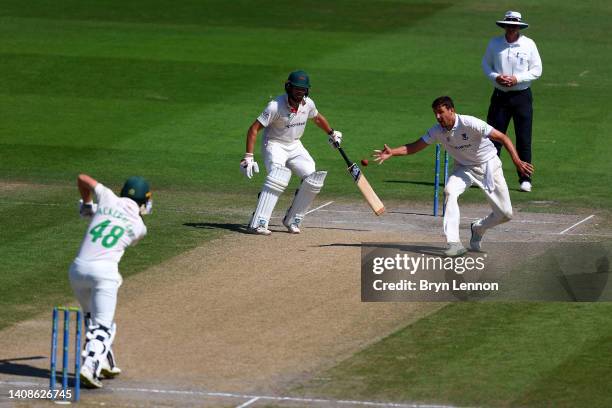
(252, 316)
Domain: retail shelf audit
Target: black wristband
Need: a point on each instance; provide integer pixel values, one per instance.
(331, 132)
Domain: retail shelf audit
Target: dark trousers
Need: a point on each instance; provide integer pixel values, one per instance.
(516, 105)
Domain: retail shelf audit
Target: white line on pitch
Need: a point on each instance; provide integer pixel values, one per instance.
(318, 208)
(243, 396)
(272, 398)
(431, 216)
(249, 402)
(577, 224)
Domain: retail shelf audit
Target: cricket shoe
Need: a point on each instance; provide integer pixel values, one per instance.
(293, 228)
(476, 237)
(525, 186)
(88, 377)
(455, 249)
(259, 231)
(108, 367)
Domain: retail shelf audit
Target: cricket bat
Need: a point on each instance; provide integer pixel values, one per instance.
(368, 193)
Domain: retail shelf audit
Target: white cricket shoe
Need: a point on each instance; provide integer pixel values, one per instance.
(293, 228)
(526, 186)
(108, 367)
(455, 249)
(476, 237)
(259, 231)
(88, 377)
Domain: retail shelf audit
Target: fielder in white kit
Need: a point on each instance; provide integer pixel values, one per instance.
(468, 140)
(116, 223)
(284, 120)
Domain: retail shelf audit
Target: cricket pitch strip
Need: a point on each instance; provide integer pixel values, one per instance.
(244, 318)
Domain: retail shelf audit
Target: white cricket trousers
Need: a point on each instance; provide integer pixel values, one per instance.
(293, 155)
(95, 285)
(499, 199)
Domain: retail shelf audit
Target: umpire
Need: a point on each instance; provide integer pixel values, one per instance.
(511, 63)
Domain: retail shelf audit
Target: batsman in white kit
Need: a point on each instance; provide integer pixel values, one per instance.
(469, 141)
(116, 224)
(284, 120)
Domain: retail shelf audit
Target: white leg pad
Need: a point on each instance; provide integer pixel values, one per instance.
(97, 344)
(304, 196)
(276, 182)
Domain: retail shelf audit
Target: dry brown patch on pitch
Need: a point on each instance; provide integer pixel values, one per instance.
(253, 313)
(242, 313)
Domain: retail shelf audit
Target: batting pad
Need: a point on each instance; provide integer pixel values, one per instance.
(97, 343)
(276, 182)
(305, 195)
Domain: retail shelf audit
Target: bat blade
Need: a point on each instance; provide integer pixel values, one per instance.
(366, 189)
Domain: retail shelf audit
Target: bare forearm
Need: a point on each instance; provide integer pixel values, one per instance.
(322, 123)
(511, 150)
(505, 140)
(86, 184)
(399, 151)
(409, 148)
(523, 167)
(251, 136)
(250, 141)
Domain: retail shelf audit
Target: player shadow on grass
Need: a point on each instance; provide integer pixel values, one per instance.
(241, 228)
(422, 183)
(419, 183)
(218, 225)
(8, 366)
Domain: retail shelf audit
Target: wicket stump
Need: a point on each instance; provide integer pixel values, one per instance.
(437, 180)
(67, 311)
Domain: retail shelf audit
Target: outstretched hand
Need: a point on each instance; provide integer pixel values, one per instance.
(381, 155)
(526, 169)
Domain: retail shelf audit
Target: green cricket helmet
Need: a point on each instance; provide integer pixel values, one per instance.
(137, 189)
(299, 79)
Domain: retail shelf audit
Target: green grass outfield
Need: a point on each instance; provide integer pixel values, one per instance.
(168, 90)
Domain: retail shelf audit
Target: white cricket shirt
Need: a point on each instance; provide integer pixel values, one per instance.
(115, 226)
(467, 142)
(282, 123)
(520, 58)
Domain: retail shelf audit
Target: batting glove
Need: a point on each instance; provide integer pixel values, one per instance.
(335, 138)
(248, 165)
(87, 210)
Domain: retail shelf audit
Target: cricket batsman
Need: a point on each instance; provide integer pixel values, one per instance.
(116, 223)
(284, 121)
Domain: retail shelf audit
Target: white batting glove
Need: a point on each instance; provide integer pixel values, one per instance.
(87, 210)
(248, 165)
(335, 138)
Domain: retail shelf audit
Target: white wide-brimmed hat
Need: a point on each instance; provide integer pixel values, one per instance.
(512, 18)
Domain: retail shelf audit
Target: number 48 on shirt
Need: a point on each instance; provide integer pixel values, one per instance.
(109, 239)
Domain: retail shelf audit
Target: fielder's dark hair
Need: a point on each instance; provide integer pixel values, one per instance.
(443, 101)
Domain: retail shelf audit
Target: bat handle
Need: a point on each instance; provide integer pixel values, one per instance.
(344, 156)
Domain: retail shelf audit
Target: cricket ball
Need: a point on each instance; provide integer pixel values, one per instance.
(364, 162)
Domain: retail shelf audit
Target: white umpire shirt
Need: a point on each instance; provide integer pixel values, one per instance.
(520, 58)
(284, 124)
(467, 142)
(115, 226)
